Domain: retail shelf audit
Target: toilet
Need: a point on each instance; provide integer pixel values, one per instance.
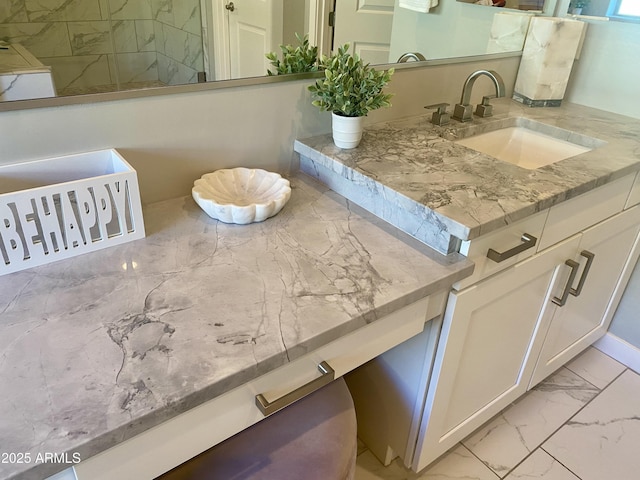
(313, 439)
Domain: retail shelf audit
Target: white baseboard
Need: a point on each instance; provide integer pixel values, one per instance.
(620, 350)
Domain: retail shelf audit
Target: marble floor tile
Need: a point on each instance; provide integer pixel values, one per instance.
(369, 468)
(541, 466)
(596, 367)
(361, 446)
(513, 434)
(459, 463)
(601, 442)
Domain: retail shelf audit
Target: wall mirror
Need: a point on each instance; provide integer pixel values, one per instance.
(77, 47)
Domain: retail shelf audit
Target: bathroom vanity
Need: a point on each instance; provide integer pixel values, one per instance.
(153, 351)
(554, 245)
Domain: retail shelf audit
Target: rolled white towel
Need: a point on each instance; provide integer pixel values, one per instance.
(422, 6)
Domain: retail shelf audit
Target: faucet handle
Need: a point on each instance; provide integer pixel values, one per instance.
(485, 109)
(440, 116)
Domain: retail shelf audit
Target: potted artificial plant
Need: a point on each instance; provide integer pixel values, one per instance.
(298, 59)
(576, 6)
(349, 90)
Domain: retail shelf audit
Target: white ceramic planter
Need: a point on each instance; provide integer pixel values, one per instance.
(347, 131)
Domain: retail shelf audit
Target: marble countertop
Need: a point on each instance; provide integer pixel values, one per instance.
(98, 348)
(408, 173)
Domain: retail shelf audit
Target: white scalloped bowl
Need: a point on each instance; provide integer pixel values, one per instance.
(241, 195)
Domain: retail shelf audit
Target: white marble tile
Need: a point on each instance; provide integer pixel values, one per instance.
(81, 10)
(369, 468)
(80, 71)
(540, 465)
(130, 9)
(361, 447)
(12, 11)
(158, 32)
(90, 38)
(125, 36)
(601, 442)
(41, 39)
(137, 67)
(105, 11)
(25, 86)
(187, 16)
(171, 72)
(145, 36)
(458, 463)
(163, 11)
(509, 438)
(596, 367)
(62, 10)
(182, 46)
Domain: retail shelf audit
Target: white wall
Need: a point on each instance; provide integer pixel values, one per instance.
(626, 324)
(452, 29)
(171, 140)
(607, 74)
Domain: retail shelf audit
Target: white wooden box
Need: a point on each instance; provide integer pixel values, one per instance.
(61, 207)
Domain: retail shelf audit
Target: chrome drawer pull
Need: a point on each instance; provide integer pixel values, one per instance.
(267, 407)
(573, 265)
(589, 256)
(528, 241)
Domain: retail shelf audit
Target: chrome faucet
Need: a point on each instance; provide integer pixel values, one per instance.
(417, 56)
(462, 111)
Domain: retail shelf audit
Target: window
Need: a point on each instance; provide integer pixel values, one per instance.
(625, 10)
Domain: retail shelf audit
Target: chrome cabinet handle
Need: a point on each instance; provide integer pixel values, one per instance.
(589, 256)
(528, 241)
(267, 407)
(230, 6)
(573, 265)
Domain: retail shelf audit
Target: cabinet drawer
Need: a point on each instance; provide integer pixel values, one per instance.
(501, 241)
(175, 441)
(634, 196)
(567, 218)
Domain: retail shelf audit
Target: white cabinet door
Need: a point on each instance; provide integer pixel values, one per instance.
(487, 350)
(585, 317)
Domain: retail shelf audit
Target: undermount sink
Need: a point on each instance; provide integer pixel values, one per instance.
(524, 142)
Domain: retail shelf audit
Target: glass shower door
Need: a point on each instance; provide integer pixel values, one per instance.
(156, 43)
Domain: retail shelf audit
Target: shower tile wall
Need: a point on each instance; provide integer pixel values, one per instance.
(177, 28)
(155, 40)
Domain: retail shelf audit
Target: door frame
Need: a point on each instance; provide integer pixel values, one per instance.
(220, 40)
(320, 34)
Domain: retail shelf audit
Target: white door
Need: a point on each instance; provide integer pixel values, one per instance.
(244, 31)
(255, 28)
(366, 25)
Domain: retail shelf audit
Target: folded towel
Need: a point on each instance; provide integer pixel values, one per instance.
(422, 6)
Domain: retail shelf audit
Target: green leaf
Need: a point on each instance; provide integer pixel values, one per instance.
(350, 86)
